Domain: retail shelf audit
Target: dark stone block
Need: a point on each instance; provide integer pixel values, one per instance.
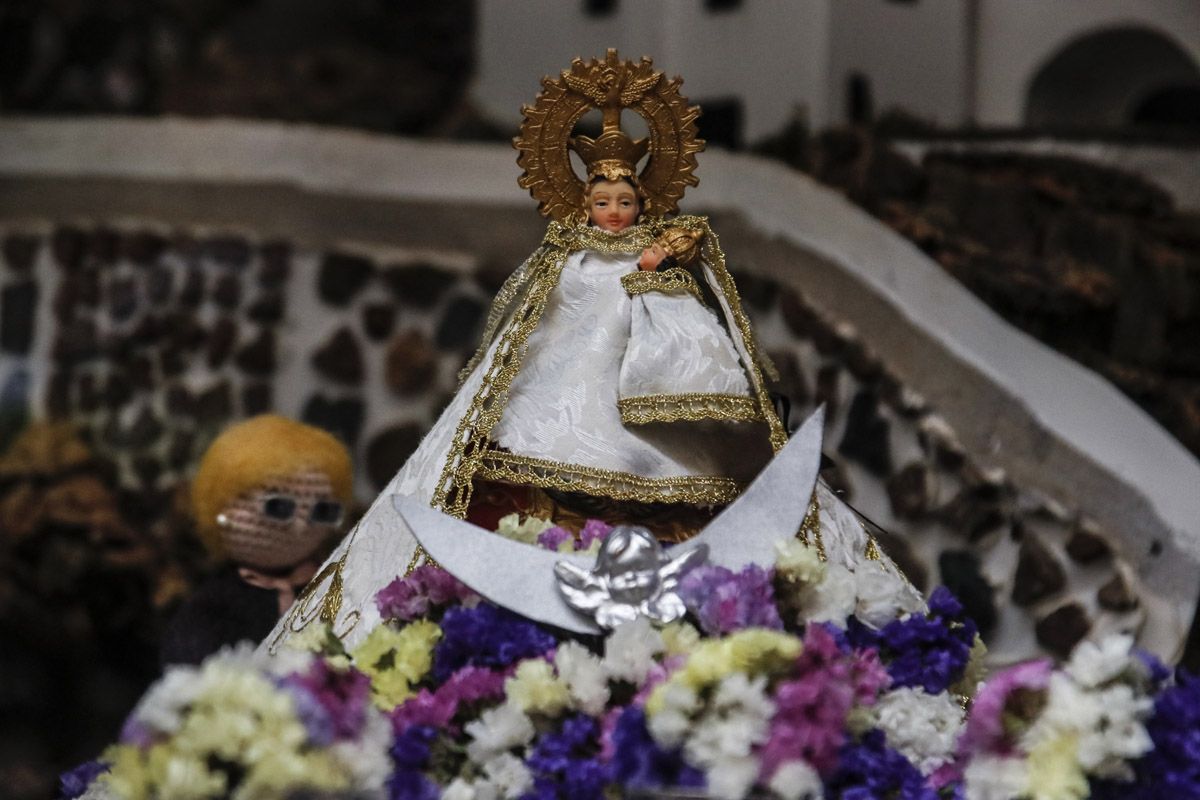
(1038, 575)
(961, 574)
(143, 247)
(147, 468)
(76, 342)
(258, 357)
(460, 324)
(103, 246)
(267, 309)
(117, 390)
(910, 491)
(411, 364)
(342, 417)
(276, 264)
(343, 276)
(58, 395)
(18, 305)
(228, 251)
(1086, 544)
(1062, 629)
(221, 341)
(1117, 595)
(227, 293)
(388, 451)
(14, 406)
(122, 298)
(866, 438)
(149, 331)
(215, 404)
(829, 389)
(172, 360)
(180, 453)
(66, 300)
(862, 363)
(340, 358)
(792, 382)
(145, 430)
(192, 293)
(68, 246)
(378, 319)
(90, 290)
(257, 398)
(491, 275)
(180, 401)
(20, 251)
(798, 315)
(140, 370)
(159, 282)
(758, 294)
(419, 285)
(184, 331)
(90, 396)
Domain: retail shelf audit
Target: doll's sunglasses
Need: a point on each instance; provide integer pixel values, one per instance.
(282, 508)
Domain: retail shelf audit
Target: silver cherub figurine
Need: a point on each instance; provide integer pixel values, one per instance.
(633, 577)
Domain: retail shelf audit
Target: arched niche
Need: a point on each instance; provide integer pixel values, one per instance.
(1102, 79)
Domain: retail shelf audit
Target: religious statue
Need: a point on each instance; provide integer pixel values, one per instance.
(618, 376)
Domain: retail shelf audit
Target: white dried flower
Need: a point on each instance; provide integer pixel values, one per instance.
(630, 649)
(924, 727)
(498, 730)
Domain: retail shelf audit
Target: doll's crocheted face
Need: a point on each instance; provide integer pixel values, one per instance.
(279, 524)
(612, 205)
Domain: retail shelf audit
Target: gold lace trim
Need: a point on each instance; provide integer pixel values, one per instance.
(810, 527)
(712, 255)
(669, 281)
(688, 407)
(546, 474)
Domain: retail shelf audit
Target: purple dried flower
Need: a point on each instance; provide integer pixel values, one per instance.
(332, 703)
(467, 686)
(565, 765)
(420, 594)
(486, 636)
(593, 530)
(1172, 768)
(551, 538)
(74, 782)
(929, 651)
(724, 601)
(870, 769)
(639, 763)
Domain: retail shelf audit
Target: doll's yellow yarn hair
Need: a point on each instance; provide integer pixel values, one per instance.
(250, 454)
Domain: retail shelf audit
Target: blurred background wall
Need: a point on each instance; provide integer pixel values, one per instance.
(330, 254)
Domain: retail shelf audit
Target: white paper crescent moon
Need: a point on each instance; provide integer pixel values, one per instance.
(520, 577)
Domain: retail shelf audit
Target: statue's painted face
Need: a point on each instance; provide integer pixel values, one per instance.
(612, 205)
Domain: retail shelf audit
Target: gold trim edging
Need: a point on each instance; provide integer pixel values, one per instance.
(670, 281)
(688, 407)
(546, 474)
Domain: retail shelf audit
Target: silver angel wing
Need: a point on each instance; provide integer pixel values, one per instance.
(517, 576)
(671, 572)
(583, 590)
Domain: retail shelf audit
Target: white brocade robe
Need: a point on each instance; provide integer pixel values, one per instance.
(596, 345)
(596, 349)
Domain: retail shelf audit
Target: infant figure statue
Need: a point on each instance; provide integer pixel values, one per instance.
(618, 376)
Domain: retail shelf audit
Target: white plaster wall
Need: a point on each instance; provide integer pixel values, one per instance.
(913, 54)
(1018, 37)
(771, 53)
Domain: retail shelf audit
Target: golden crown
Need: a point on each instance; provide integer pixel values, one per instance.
(611, 85)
